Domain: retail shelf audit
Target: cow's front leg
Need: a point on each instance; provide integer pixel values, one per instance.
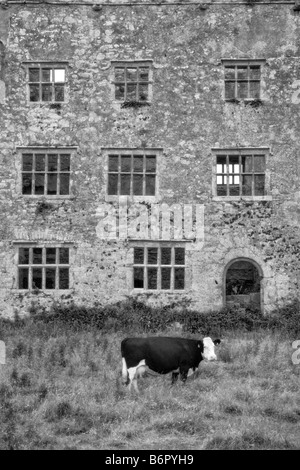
(184, 373)
(174, 377)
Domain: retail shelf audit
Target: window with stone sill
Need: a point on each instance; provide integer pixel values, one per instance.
(242, 79)
(132, 81)
(43, 267)
(46, 173)
(159, 268)
(240, 173)
(132, 173)
(46, 82)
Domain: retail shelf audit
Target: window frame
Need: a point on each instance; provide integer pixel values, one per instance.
(158, 266)
(157, 152)
(132, 64)
(43, 266)
(240, 152)
(46, 65)
(242, 63)
(68, 150)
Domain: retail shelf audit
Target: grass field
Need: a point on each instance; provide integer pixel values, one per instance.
(61, 389)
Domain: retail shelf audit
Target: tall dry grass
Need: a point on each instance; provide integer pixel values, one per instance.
(61, 389)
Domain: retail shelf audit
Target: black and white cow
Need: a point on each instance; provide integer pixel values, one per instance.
(163, 355)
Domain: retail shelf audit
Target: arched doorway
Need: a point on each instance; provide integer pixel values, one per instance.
(243, 283)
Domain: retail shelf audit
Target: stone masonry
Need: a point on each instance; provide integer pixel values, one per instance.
(187, 122)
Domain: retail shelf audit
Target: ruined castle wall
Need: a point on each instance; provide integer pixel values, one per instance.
(187, 118)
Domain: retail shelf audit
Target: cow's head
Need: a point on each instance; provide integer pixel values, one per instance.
(209, 349)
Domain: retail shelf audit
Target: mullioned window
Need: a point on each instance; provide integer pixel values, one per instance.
(46, 82)
(159, 268)
(132, 82)
(242, 79)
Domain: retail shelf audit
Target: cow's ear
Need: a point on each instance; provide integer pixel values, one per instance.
(217, 341)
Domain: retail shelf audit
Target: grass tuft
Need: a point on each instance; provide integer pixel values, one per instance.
(58, 411)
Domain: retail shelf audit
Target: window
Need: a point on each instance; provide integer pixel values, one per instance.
(159, 268)
(132, 81)
(242, 79)
(43, 268)
(132, 173)
(46, 173)
(240, 173)
(46, 82)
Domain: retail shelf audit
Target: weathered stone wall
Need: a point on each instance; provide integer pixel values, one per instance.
(187, 118)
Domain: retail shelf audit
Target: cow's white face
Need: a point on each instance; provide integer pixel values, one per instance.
(209, 350)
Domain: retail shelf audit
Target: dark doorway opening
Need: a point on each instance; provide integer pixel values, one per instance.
(243, 284)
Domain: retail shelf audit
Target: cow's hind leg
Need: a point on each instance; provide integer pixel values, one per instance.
(184, 373)
(124, 372)
(174, 377)
(132, 373)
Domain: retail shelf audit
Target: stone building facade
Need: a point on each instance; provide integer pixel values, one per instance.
(149, 150)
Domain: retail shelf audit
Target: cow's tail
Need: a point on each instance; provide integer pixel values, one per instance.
(124, 372)
(125, 375)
